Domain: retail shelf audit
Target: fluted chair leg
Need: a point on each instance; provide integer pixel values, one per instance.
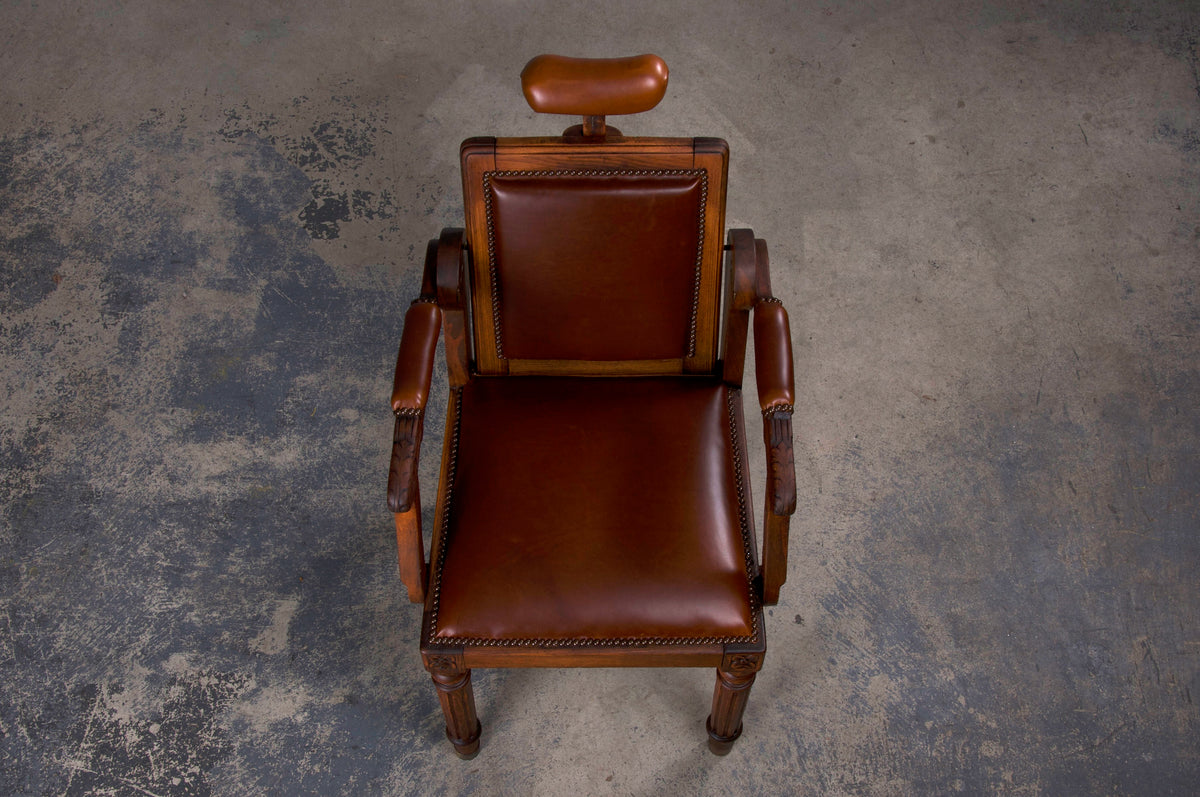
(458, 704)
(729, 701)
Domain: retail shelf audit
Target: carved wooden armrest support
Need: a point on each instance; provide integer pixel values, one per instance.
(781, 465)
(781, 499)
(402, 474)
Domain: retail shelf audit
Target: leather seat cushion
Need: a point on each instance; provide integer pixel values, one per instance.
(595, 509)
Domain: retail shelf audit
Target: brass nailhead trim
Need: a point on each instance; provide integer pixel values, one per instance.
(743, 515)
(451, 471)
(408, 412)
(769, 411)
(494, 280)
(493, 277)
(620, 642)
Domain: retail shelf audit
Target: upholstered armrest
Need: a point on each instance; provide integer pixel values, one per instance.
(776, 392)
(414, 361)
(750, 284)
(410, 391)
(440, 285)
(440, 305)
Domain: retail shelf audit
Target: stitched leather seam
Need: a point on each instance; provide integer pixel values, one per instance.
(493, 275)
(601, 642)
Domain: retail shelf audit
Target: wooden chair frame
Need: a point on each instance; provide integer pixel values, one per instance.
(453, 300)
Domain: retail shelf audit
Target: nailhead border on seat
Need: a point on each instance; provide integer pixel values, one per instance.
(738, 450)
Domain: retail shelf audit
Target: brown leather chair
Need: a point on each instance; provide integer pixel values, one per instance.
(594, 504)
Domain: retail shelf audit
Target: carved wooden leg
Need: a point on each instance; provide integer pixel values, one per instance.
(729, 701)
(458, 704)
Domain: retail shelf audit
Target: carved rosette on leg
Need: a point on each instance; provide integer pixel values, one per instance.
(453, 682)
(734, 679)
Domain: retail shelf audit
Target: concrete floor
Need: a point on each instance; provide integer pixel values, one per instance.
(984, 218)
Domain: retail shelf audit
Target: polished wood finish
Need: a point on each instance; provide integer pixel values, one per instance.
(523, 413)
(593, 127)
(405, 501)
(451, 293)
(657, 656)
(406, 438)
(516, 154)
(735, 676)
(712, 155)
(596, 130)
(775, 547)
(452, 679)
(740, 295)
(478, 156)
(762, 270)
(595, 367)
(414, 571)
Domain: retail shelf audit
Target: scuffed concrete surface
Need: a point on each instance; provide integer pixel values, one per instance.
(984, 219)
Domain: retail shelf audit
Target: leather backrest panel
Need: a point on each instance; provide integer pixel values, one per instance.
(595, 264)
(594, 258)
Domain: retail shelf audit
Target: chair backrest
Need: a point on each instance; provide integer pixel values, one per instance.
(594, 254)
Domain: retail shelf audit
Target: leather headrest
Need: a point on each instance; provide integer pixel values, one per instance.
(594, 86)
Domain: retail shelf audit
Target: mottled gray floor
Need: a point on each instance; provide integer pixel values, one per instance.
(984, 218)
